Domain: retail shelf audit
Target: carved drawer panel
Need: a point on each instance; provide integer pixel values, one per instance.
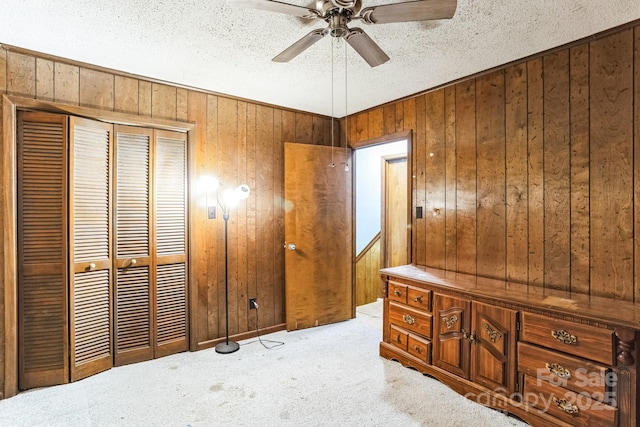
(565, 371)
(410, 319)
(419, 298)
(419, 348)
(398, 338)
(397, 292)
(572, 408)
(569, 337)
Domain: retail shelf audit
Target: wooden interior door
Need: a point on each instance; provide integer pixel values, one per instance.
(493, 351)
(395, 212)
(318, 221)
(43, 342)
(170, 175)
(90, 248)
(134, 308)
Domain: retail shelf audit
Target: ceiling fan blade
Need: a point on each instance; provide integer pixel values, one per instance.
(421, 10)
(276, 6)
(366, 47)
(298, 47)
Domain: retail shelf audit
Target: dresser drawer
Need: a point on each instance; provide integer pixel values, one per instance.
(419, 348)
(569, 337)
(398, 337)
(565, 371)
(419, 298)
(397, 292)
(410, 319)
(572, 408)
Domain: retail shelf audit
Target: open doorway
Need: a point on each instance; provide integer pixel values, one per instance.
(381, 213)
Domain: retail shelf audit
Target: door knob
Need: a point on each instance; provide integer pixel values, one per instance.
(290, 246)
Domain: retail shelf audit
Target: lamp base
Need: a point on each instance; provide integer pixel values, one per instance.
(227, 347)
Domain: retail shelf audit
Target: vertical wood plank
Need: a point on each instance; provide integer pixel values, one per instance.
(535, 144)
(389, 119)
(21, 74)
(214, 249)
(67, 83)
(197, 113)
(265, 206)
(376, 123)
(400, 113)
(636, 164)
(304, 124)
(435, 182)
(317, 130)
(557, 158)
(611, 191)
(228, 176)
(466, 176)
(3, 70)
(125, 95)
(288, 126)
(96, 89)
(252, 232)
(516, 172)
(240, 237)
(44, 79)
(182, 104)
(420, 182)
(409, 123)
(579, 80)
(278, 220)
(163, 101)
(362, 127)
(451, 253)
(144, 98)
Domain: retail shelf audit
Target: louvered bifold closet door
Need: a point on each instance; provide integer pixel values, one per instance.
(90, 246)
(42, 248)
(171, 242)
(134, 293)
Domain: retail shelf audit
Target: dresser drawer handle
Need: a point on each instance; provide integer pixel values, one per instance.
(418, 349)
(397, 293)
(558, 370)
(410, 320)
(450, 321)
(564, 337)
(565, 406)
(399, 338)
(418, 299)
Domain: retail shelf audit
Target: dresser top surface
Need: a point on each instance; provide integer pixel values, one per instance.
(609, 310)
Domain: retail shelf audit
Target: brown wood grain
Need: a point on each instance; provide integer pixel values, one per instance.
(557, 158)
(44, 79)
(611, 191)
(145, 97)
(389, 120)
(376, 122)
(450, 150)
(96, 89)
(3, 70)
(126, 95)
(277, 247)
(240, 239)
(253, 287)
(163, 101)
(304, 128)
(535, 188)
(21, 74)
(466, 176)
(579, 101)
(419, 184)
(435, 180)
(516, 173)
(409, 122)
(67, 83)
(214, 315)
(362, 126)
(491, 211)
(636, 164)
(182, 104)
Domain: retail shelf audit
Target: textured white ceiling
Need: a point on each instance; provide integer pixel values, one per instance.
(214, 46)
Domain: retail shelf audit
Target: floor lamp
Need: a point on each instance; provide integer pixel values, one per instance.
(230, 199)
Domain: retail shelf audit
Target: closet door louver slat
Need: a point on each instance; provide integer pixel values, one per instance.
(90, 249)
(134, 290)
(171, 232)
(42, 278)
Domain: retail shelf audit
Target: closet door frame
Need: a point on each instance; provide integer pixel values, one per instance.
(8, 209)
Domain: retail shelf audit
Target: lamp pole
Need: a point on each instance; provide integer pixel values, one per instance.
(226, 346)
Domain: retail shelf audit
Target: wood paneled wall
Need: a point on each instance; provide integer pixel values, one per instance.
(530, 173)
(237, 141)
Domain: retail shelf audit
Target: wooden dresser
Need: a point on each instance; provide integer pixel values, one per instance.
(548, 357)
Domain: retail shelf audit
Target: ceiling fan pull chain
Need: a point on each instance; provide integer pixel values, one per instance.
(346, 115)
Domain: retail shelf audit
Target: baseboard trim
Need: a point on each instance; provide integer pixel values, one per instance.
(239, 337)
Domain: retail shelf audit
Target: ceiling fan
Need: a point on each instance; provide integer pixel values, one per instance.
(338, 13)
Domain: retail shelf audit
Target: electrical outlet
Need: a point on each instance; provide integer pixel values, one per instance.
(253, 304)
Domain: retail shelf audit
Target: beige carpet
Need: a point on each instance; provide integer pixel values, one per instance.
(325, 376)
